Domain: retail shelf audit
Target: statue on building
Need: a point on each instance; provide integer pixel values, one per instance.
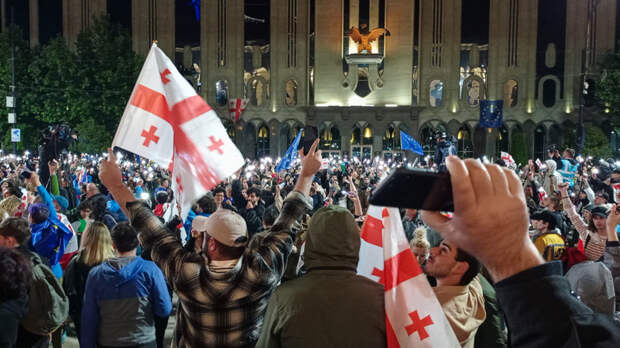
(363, 37)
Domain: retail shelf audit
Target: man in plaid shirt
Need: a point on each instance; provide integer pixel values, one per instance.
(222, 295)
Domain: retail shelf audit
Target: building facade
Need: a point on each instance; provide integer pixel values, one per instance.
(441, 59)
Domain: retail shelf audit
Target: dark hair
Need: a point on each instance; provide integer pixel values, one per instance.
(207, 204)
(472, 270)
(39, 212)
(218, 190)
(98, 206)
(254, 190)
(161, 197)
(125, 237)
(84, 205)
(15, 191)
(226, 251)
(270, 216)
(15, 274)
(17, 228)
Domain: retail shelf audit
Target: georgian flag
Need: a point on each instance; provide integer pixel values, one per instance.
(510, 162)
(168, 123)
(413, 315)
(236, 107)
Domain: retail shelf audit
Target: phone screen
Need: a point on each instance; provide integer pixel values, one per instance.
(308, 138)
(415, 189)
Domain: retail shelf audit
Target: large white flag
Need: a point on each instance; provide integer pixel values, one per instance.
(414, 317)
(167, 122)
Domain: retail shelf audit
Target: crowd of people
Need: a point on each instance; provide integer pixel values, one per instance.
(96, 249)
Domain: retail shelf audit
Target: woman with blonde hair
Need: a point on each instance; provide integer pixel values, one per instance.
(96, 247)
(420, 245)
(11, 205)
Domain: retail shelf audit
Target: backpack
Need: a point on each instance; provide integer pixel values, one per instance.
(48, 306)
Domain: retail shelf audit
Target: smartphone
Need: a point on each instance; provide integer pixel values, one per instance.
(310, 135)
(25, 174)
(415, 189)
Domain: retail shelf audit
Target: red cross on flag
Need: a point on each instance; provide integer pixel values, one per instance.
(236, 107)
(167, 122)
(413, 315)
(510, 162)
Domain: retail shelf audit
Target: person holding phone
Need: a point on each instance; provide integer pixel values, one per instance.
(490, 222)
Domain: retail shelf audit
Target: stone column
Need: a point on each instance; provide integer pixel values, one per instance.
(34, 22)
(221, 47)
(289, 51)
(77, 15)
(153, 20)
(4, 15)
(440, 42)
(328, 53)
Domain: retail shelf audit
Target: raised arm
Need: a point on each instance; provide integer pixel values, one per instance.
(112, 178)
(569, 208)
(47, 199)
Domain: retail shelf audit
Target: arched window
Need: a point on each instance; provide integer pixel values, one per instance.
(549, 93)
(511, 94)
(356, 136)
(367, 136)
(221, 92)
(330, 139)
(390, 141)
(230, 129)
(539, 143)
(464, 144)
(290, 89)
(436, 93)
(262, 142)
(502, 143)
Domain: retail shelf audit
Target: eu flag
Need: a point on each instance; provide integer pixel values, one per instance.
(491, 113)
(290, 155)
(408, 143)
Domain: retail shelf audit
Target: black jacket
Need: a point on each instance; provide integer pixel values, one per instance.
(541, 312)
(11, 312)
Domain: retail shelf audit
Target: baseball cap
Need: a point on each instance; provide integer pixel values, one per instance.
(228, 228)
(62, 201)
(600, 210)
(200, 223)
(603, 195)
(546, 216)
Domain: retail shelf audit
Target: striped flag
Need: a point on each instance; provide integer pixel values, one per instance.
(413, 315)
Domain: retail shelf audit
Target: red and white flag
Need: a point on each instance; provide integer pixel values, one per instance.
(510, 162)
(413, 315)
(168, 123)
(236, 107)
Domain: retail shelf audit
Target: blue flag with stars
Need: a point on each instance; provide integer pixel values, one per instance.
(491, 113)
(408, 143)
(290, 155)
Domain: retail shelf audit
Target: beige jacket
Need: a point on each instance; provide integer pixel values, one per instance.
(464, 308)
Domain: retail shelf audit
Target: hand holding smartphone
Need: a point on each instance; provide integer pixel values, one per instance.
(308, 138)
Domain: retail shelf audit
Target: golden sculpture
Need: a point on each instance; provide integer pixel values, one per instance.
(363, 37)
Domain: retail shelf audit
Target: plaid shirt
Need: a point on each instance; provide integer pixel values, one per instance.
(221, 309)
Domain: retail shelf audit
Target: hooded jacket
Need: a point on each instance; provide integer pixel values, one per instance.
(552, 177)
(121, 297)
(464, 308)
(330, 306)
